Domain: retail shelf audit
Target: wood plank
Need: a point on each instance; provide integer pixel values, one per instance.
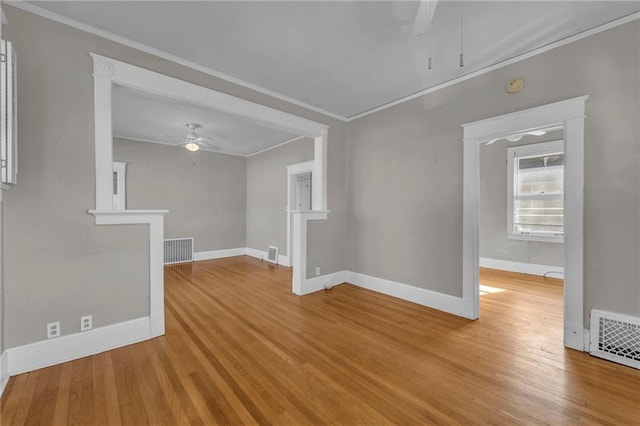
(241, 349)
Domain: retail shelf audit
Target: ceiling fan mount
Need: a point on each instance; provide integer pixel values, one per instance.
(193, 142)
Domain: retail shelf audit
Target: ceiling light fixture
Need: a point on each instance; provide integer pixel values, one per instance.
(193, 142)
(192, 146)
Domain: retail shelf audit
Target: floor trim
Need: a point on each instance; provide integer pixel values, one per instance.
(219, 254)
(324, 282)
(45, 353)
(432, 299)
(283, 260)
(4, 371)
(522, 267)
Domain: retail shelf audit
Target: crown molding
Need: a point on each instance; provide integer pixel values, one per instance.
(28, 7)
(535, 52)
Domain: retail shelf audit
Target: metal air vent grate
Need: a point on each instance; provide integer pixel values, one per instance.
(178, 250)
(615, 337)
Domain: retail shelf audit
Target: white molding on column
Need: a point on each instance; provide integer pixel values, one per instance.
(49, 352)
(301, 284)
(521, 267)
(155, 220)
(569, 114)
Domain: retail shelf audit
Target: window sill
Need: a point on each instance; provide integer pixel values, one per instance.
(536, 238)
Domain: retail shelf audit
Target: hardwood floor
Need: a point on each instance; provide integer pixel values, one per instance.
(241, 349)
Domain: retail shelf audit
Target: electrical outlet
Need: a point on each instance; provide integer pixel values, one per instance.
(86, 323)
(53, 330)
(317, 271)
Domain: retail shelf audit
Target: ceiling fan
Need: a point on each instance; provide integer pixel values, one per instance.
(193, 142)
(424, 17)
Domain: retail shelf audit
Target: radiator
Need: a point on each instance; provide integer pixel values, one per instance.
(615, 337)
(178, 250)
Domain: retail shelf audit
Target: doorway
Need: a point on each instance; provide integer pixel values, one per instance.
(569, 115)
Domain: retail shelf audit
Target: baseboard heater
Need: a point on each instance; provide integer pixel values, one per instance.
(178, 250)
(615, 337)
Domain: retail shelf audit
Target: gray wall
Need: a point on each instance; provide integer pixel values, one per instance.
(206, 200)
(267, 193)
(59, 264)
(405, 169)
(494, 243)
(1, 277)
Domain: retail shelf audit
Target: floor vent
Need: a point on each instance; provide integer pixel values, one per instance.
(615, 337)
(178, 250)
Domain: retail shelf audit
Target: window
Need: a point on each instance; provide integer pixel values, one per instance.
(535, 192)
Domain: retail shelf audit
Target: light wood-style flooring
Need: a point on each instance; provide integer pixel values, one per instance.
(241, 349)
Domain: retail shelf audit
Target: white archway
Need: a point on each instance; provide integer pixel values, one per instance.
(106, 72)
(570, 115)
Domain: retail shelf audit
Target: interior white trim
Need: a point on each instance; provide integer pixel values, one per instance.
(570, 114)
(432, 299)
(45, 353)
(219, 254)
(535, 52)
(106, 72)
(283, 260)
(4, 371)
(521, 267)
(302, 285)
(28, 7)
(155, 220)
(324, 282)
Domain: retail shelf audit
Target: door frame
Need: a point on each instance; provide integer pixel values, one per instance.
(294, 170)
(569, 114)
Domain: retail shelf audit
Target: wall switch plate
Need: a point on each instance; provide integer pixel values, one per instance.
(86, 323)
(53, 330)
(317, 271)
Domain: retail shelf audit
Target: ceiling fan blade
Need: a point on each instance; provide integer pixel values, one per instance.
(208, 146)
(424, 17)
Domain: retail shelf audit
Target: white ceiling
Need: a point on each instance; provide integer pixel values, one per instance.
(149, 117)
(345, 57)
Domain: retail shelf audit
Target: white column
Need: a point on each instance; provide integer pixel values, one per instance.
(574, 234)
(470, 250)
(319, 180)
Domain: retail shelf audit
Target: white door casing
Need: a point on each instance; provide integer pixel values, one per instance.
(569, 114)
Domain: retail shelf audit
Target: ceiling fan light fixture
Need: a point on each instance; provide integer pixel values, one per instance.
(192, 146)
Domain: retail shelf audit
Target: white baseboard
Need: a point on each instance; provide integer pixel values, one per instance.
(259, 254)
(521, 267)
(432, 299)
(311, 285)
(219, 254)
(4, 371)
(45, 353)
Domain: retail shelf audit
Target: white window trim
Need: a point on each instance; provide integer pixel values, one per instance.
(541, 148)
